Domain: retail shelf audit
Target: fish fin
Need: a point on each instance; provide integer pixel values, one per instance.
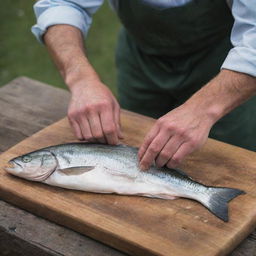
(119, 174)
(218, 200)
(77, 170)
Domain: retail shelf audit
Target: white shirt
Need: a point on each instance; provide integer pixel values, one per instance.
(78, 13)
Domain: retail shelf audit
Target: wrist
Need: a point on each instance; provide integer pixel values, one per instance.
(222, 94)
(206, 107)
(80, 75)
(214, 112)
(225, 92)
(209, 114)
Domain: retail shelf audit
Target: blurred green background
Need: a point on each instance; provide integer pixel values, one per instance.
(22, 55)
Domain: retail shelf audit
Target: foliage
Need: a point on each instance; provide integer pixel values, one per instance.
(22, 55)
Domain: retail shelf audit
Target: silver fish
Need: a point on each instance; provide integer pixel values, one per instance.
(114, 169)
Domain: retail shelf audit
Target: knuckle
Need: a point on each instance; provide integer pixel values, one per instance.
(165, 155)
(71, 115)
(168, 127)
(116, 104)
(148, 138)
(160, 122)
(104, 104)
(193, 143)
(188, 136)
(110, 131)
(78, 112)
(96, 106)
(175, 161)
(88, 109)
(153, 150)
(182, 132)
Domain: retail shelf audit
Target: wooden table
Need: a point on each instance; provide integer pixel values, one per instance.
(26, 107)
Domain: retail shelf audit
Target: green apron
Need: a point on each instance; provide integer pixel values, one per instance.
(165, 55)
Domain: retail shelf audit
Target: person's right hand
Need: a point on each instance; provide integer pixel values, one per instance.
(94, 113)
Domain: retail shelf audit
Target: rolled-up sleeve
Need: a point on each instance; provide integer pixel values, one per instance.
(77, 13)
(242, 57)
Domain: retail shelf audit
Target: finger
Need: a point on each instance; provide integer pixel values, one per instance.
(184, 150)
(85, 129)
(117, 117)
(76, 129)
(96, 128)
(147, 141)
(168, 150)
(153, 150)
(109, 127)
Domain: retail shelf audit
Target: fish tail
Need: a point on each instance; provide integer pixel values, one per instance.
(217, 201)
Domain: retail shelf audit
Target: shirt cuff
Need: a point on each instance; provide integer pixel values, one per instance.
(60, 15)
(241, 59)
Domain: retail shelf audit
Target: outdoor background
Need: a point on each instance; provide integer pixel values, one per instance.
(22, 55)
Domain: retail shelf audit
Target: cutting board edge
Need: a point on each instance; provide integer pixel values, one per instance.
(246, 229)
(111, 239)
(127, 245)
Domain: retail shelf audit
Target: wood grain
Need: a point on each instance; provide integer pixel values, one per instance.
(28, 106)
(144, 226)
(21, 232)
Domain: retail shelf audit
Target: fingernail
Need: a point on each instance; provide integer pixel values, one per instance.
(142, 167)
(121, 136)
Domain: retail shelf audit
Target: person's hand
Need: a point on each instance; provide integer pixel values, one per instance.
(174, 136)
(94, 113)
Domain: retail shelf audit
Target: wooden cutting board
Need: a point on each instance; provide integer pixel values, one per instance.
(137, 225)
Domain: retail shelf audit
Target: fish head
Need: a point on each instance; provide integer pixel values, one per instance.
(37, 166)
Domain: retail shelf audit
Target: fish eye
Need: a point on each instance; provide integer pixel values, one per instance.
(26, 159)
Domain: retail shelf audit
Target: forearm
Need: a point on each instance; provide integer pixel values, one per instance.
(93, 112)
(65, 44)
(225, 92)
(186, 128)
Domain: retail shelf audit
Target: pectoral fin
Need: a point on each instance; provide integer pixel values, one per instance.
(77, 170)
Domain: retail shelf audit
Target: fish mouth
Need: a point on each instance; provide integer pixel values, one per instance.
(13, 162)
(13, 167)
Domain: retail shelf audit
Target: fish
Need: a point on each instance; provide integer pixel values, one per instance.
(101, 168)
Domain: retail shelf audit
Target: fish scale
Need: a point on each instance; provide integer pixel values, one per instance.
(114, 169)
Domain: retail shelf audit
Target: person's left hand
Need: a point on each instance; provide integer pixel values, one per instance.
(174, 136)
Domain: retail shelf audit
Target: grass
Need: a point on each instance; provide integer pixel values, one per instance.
(22, 55)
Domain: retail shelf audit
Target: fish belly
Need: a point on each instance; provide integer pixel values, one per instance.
(98, 181)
